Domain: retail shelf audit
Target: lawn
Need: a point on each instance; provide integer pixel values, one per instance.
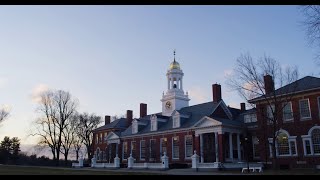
(36, 170)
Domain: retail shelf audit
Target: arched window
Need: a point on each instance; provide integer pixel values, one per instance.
(311, 141)
(286, 145)
(283, 144)
(315, 136)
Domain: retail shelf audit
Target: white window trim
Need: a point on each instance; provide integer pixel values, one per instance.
(177, 119)
(287, 120)
(272, 108)
(144, 150)
(173, 149)
(185, 146)
(305, 118)
(290, 138)
(309, 138)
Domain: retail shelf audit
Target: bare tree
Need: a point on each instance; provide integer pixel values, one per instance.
(4, 113)
(87, 123)
(56, 109)
(249, 81)
(312, 24)
(69, 134)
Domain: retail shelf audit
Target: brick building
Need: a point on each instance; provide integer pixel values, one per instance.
(213, 129)
(298, 131)
(217, 132)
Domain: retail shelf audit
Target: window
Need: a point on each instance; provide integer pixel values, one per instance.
(308, 147)
(188, 146)
(283, 144)
(153, 125)
(255, 145)
(152, 149)
(133, 149)
(125, 150)
(253, 118)
(175, 147)
(293, 147)
(248, 118)
(287, 112)
(97, 138)
(304, 108)
(270, 111)
(142, 149)
(176, 121)
(315, 136)
(134, 127)
(100, 140)
(286, 145)
(163, 146)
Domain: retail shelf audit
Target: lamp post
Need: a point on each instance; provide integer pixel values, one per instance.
(247, 152)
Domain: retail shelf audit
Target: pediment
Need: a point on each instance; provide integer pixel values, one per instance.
(207, 122)
(112, 135)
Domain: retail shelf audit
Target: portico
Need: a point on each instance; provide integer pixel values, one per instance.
(217, 142)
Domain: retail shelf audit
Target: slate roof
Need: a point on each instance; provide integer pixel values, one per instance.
(195, 113)
(116, 124)
(303, 84)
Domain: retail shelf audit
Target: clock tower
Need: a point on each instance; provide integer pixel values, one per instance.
(174, 98)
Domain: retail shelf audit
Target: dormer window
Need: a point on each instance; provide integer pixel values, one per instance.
(176, 121)
(134, 127)
(154, 123)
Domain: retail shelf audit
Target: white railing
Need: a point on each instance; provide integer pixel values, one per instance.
(164, 164)
(208, 165)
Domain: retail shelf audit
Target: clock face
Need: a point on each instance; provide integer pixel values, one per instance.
(168, 105)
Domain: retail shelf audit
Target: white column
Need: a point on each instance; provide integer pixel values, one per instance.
(171, 83)
(181, 84)
(201, 148)
(230, 146)
(217, 147)
(238, 146)
(117, 149)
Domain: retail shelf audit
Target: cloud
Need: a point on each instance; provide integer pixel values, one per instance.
(197, 94)
(37, 91)
(3, 81)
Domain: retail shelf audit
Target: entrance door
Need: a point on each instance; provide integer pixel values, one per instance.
(208, 147)
(111, 154)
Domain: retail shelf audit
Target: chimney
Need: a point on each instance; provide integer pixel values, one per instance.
(216, 92)
(129, 117)
(243, 106)
(143, 110)
(106, 120)
(268, 84)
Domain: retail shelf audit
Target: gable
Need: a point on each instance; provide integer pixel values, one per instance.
(222, 111)
(207, 122)
(112, 136)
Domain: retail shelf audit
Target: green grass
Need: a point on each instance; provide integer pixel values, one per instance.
(29, 170)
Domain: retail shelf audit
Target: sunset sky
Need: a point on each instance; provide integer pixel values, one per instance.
(114, 57)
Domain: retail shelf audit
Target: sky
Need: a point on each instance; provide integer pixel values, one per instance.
(112, 58)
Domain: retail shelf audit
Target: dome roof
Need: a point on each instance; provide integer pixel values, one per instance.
(174, 65)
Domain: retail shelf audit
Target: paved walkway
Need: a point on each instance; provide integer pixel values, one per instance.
(187, 171)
